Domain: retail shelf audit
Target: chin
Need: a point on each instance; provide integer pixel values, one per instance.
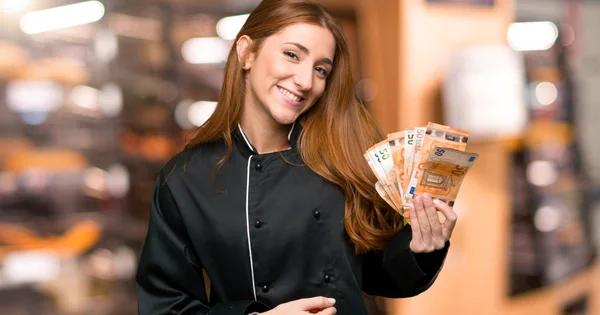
(285, 120)
(285, 117)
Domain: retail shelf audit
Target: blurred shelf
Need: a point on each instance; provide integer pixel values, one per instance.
(552, 300)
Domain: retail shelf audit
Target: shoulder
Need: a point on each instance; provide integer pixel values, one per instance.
(191, 160)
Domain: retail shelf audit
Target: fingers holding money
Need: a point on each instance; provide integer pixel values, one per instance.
(429, 234)
(450, 215)
(437, 236)
(422, 241)
(416, 244)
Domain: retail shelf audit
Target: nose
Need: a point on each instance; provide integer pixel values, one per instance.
(304, 78)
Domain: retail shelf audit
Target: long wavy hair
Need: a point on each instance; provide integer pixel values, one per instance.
(336, 131)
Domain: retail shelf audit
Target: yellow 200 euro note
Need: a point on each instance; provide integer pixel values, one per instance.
(443, 173)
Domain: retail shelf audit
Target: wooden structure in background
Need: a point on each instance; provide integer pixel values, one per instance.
(404, 47)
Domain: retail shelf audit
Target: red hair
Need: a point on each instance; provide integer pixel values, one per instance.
(336, 131)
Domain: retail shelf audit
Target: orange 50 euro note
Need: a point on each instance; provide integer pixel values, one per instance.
(435, 136)
(444, 172)
(413, 161)
(381, 162)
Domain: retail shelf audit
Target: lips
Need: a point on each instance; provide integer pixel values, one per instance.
(290, 96)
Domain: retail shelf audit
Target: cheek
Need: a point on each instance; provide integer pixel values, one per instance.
(268, 74)
(319, 88)
(279, 69)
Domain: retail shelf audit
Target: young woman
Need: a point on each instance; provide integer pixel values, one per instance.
(272, 199)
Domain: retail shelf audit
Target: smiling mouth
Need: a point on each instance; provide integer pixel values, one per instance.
(289, 95)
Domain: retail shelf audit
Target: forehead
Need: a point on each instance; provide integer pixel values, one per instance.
(317, 39)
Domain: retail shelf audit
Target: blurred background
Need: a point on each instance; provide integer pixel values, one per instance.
(95, 96)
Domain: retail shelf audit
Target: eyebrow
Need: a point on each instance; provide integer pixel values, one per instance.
(306, 51)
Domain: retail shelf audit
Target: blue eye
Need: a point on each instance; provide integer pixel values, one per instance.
(291, 55)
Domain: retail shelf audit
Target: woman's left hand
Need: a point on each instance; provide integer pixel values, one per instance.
(428, 233)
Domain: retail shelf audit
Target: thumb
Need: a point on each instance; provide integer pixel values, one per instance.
(314, 303)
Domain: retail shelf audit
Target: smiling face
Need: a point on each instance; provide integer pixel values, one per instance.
(288, 73)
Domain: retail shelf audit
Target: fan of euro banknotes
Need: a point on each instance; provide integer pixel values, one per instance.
(411, 162)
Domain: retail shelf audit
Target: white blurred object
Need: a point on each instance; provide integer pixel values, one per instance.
(204, 50)
(34, 96)
(110, 100)
(14, 6)
(484, 92)
(101, 264)
(62, 17)
(547, 219)
(542, 173)
(200, 112)
(228, 27)
(85, 97)
(118, 180)
(125, 261)
(181, 114)
(112, 265)
(96, 179)
(530, 36)
(106, 45)
(30, 266)
(545, 93)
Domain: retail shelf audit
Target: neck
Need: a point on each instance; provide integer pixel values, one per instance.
(266, 137)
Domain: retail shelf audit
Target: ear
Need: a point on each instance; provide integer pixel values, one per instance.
(245, 56)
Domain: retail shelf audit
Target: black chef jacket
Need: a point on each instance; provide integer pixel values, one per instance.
(266, 232)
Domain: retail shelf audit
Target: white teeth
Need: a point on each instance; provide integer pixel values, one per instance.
(289, 95)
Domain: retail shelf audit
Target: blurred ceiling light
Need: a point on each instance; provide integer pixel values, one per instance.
(547, 219)
(14, 6)
(542, 173)
(202, 50)
(546, 93)
(229, 27)
(30, 267)
(34, 96)
(110, 100)
(529, 36)
(85, 97)
(62, 17)
(135, 26)
(200, 112)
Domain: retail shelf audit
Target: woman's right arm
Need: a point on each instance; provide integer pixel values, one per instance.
(166, 282)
